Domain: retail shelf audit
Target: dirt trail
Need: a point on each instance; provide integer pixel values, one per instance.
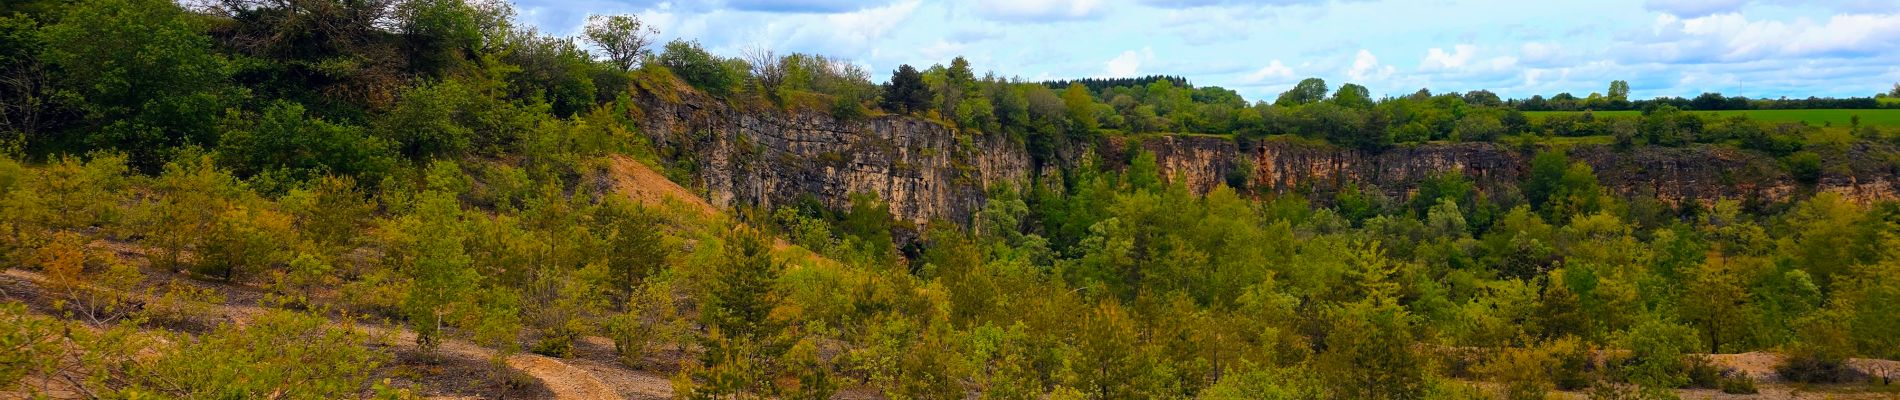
(566, 381)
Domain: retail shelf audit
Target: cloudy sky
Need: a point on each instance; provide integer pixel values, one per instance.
(1758, 48)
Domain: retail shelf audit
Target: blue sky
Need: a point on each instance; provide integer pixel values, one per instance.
(1758, 48)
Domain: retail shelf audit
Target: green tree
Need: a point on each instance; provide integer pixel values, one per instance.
(1715, 303)
(440, 35)
(333, 213)
(1310, 90)
(1478, 128)
(1805, 166)
(622, 38)
(425, 122)
(1546, 174)
(244, 239)
(703, 70)
(958, 81)
(283, 143)
(1081, 108)
(639, 251)
(1369, 354)
(190, 195)
(1619, 90)
(1111, 363)
(1658, 350)
(906, 92)
(24, 98)
(1861, 318)
(1353, 96)
(744, 339)
(148, 78)
(435, 259)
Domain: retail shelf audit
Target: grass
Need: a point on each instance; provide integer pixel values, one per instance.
(1825, 117)
(1565, 141)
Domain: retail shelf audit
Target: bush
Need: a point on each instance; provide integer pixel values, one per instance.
(1805, 167)
(282, 141)
(1807, 367)
(243, 240)
(1524, 373)
(280, 353)
(698, 68)
(1703, 374)
(1738, 384)
(28, 342)
(1574, 364)
(1657, 354)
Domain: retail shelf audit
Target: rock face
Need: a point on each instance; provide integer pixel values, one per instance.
(929, 171)
(925, 170)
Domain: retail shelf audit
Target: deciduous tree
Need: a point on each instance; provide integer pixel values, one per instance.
(623, 38)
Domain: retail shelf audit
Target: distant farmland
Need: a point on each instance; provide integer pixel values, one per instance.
(1834, 117)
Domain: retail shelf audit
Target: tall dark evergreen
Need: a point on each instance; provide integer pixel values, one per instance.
(906, 92)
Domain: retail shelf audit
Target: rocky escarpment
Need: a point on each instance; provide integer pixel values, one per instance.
(1700, 173)
(768, 158)
(929, 171)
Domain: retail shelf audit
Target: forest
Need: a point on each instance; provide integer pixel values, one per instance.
(324, 199)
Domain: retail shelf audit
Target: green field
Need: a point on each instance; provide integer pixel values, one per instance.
(1836, 117)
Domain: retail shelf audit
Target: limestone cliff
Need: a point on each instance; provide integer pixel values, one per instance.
(926, 170)
(929, 171)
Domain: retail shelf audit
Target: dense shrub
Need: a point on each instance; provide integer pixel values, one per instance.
(703, 70)
(1809, 367)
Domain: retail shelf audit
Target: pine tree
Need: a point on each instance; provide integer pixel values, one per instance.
(638, 250)
(441, 268)
(742, 340)
(906, 92)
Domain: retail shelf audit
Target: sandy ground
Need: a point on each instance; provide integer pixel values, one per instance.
(637, 181)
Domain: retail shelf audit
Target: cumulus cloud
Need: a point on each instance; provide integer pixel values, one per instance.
(1738, 38)
(1366, 67)
(1273, 71)
(1128, 63)
(1039, 10)
(871, 23)
(1439, 59)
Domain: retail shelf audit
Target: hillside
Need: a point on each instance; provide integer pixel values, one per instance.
(316, 199)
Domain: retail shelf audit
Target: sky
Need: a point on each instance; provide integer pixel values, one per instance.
(1517, 48)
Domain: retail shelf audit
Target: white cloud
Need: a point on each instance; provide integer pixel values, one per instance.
(848, 35)
(1128, 63)
(871, 23)
(1737, 38)
(1274, 70)
(1694, 8)
(1366, 67)
(942, 50)
(1439, 59)
(1039, 10)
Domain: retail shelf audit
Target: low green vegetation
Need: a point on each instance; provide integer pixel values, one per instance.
(439, 169)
